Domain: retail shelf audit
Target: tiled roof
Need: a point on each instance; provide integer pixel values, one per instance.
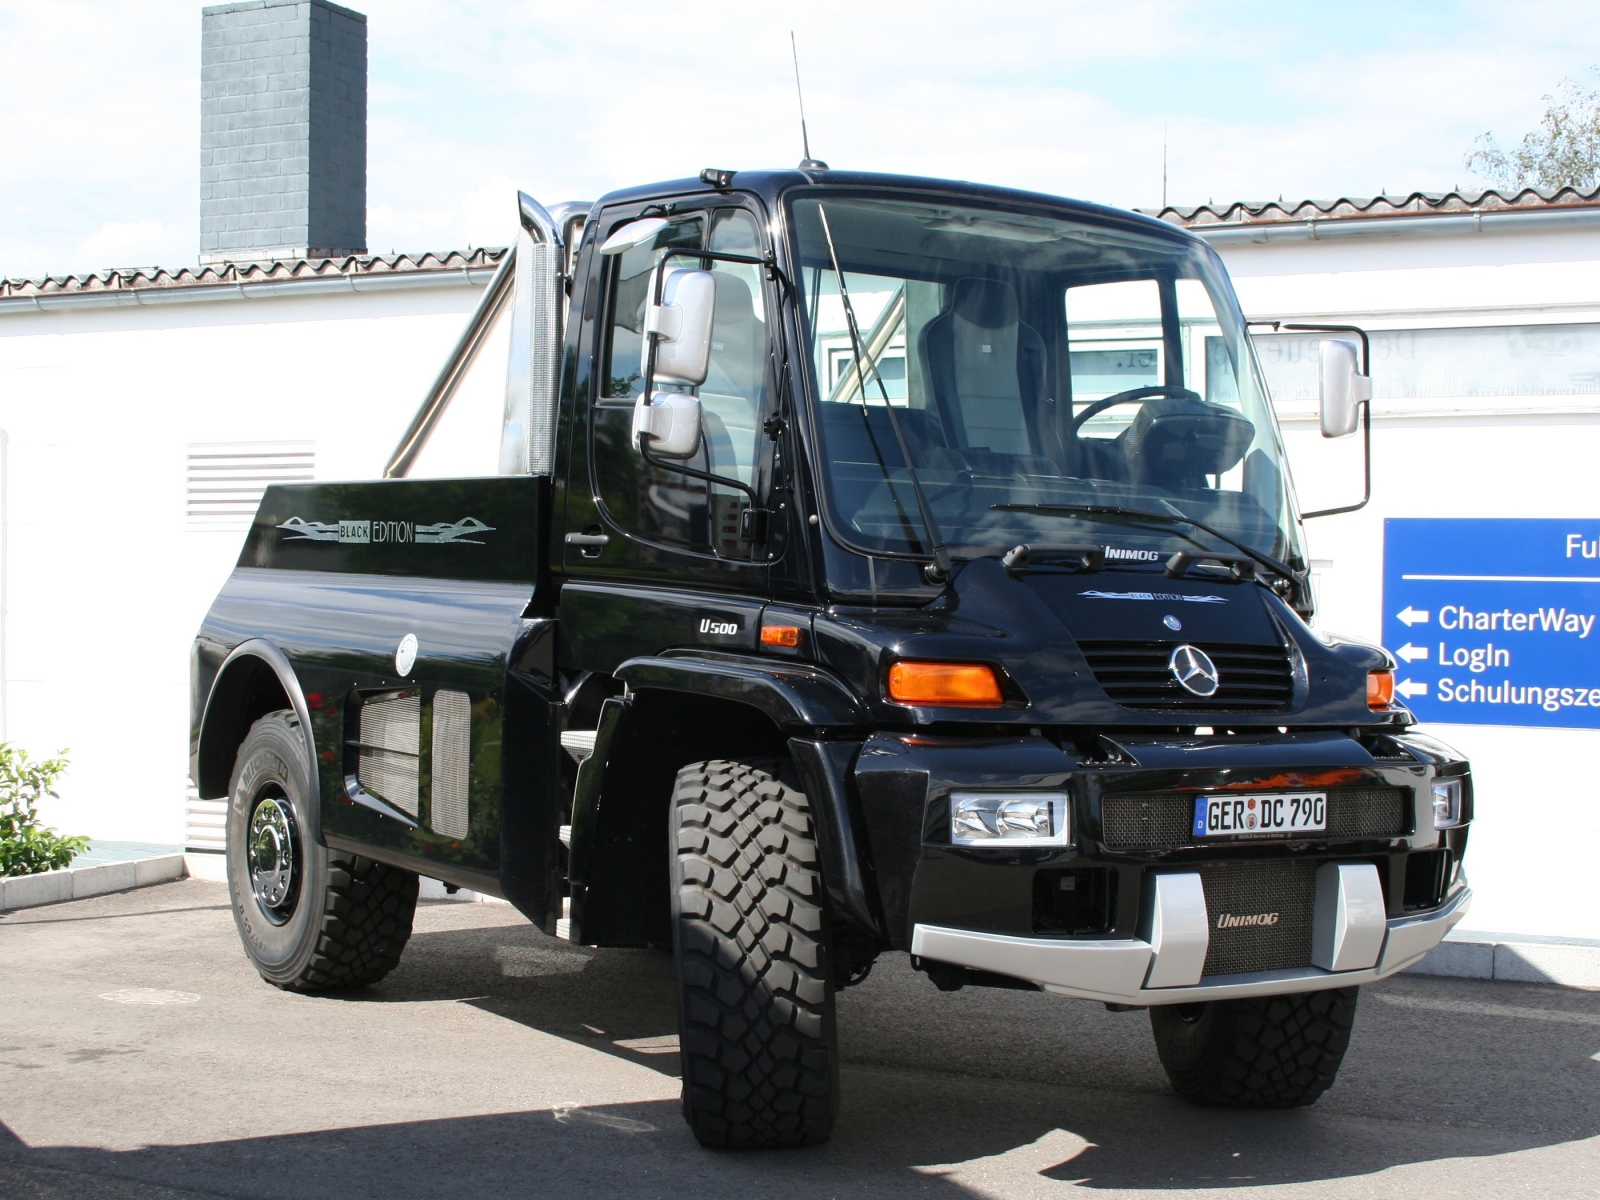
(1247, 212)
(233, 274)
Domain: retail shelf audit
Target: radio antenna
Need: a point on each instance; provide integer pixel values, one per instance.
(807, 163)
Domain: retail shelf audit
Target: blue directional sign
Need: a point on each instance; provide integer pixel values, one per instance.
(1494, 621)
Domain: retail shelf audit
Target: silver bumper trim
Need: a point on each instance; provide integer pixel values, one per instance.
(1115, 969)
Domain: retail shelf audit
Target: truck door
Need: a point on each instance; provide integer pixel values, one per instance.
(640, 524)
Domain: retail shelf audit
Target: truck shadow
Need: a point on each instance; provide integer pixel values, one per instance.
(1437, 1069)
(979, 1093)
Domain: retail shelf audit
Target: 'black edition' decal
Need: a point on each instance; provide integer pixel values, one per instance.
(1185, 598)
(363, 533)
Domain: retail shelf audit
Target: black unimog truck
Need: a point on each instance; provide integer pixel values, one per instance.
(792, 567)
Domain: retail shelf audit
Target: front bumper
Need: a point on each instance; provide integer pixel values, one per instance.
(1164, 968)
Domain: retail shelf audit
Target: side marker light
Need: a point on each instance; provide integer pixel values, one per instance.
(780, 635)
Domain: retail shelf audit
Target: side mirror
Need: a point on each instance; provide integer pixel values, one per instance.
(681, 324)
(672, 421)
(1342, 387)
(634, 233)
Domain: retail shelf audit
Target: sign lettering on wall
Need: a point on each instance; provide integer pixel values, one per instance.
(1494, 621)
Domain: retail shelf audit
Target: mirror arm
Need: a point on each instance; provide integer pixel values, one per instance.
(1366, 455)
(1366, 344)
(1366, 412)
(667, 465)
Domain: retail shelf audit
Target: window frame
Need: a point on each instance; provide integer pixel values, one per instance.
(762, 478)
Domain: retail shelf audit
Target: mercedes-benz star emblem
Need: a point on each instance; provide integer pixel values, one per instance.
(1194, 670)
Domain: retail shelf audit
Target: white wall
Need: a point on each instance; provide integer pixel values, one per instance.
(1538, 802)
(107, 586)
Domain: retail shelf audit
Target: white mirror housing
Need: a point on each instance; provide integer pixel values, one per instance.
(681, 325)
(672, 419)
(1342, 387)
(634, 233)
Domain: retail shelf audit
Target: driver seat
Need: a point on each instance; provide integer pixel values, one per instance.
(985, 369)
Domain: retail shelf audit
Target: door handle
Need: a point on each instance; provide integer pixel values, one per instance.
(595, 540)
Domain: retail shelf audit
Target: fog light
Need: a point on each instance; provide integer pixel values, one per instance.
(1008, 818)
(1446, 803)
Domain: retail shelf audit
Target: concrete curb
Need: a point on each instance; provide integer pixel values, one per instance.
(1570, 962)
(79, 883)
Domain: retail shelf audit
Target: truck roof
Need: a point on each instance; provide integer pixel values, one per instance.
(770, 185)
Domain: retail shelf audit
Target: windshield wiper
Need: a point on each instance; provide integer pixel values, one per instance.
(1111, 510)
(938, 570)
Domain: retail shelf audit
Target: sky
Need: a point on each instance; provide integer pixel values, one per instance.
(467, 101)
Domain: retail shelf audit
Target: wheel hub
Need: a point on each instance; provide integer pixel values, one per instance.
(270, 850)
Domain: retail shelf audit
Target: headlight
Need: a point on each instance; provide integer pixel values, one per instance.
(1446, 803)
(1009, 819)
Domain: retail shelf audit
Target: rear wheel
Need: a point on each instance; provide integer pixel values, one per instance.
(752, 957)
(310, 920)
(1273, 1052)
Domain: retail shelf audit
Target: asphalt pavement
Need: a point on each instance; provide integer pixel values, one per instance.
(141, 1057)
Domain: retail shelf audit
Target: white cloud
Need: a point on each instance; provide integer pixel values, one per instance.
(136, 244)
(100, 117)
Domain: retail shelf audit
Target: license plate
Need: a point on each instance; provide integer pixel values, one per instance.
(1255, 816)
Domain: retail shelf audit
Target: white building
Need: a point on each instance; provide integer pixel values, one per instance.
(143, 413)
(1484, 313)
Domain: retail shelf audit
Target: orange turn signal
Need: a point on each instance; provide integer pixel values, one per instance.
(961, 685)
(780, 635)
(1380, 690)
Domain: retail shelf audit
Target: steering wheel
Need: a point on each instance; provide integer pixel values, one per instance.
(1143, 393)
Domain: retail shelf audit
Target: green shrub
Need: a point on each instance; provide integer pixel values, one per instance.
(27, 847)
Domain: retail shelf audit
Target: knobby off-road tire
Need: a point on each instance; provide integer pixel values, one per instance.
(328, 922)
(751, 952)
(1275, 1052)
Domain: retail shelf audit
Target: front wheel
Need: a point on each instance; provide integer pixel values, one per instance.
(310, 920)
(752, 957)
(1274, 1052)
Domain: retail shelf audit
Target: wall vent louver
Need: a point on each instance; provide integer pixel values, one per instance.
(223, 481)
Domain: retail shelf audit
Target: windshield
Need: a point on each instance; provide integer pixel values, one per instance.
(1036, 365)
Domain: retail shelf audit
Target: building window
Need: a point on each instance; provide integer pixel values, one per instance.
(1426, 364)
(223, 481)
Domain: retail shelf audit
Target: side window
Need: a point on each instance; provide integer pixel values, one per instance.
(623, 376)
(732, 397)
(662, 505)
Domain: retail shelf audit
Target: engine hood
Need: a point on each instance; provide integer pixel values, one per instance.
(1136, 606)
(1051, 633)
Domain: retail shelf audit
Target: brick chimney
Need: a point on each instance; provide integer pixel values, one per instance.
(283, 131)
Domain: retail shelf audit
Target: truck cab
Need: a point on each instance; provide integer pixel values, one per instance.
(795, 567)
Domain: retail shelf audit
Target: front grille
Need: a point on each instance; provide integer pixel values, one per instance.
(1136, 675)
(1285, 888)
(1155, 820)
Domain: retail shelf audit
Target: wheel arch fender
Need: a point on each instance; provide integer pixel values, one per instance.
(712, 708)
(797, 697)
(256, 678)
